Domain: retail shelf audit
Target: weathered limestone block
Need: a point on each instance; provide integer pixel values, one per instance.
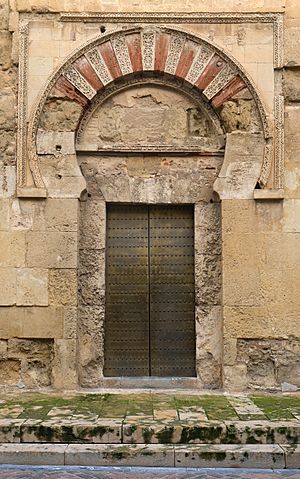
(8, 147)
(9, 371)
(90, 344)
(92, 224)
(70, 322)
(235, 377)
(208, 228)
(7, 286)
(31, 322)
(240, 172)
(33, 454)
(12, 251)
(60, 114)
(270, 362)
(61, 215)
(275, 320)
(91, 276)
(59, 186)
(63, 286)
(241, 115)
(292, 148)
(4, 13)
(51, 250)
(5, 49)
(291, 43)
(291, 216)
(120, 455)
(233, 455)
(291, 84)
(65, 364)
(4, 214)
(3, 348)
(32, 287)
(209, 346)
(36, 357)
(55, 143)
(208, 279)
(7, 181)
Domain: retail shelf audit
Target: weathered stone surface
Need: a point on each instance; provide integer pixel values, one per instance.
(134, 455)
(7, 180)
(63, 286)
(31, 322)
(92, 225)
(52, 250)
(239, 173)
(291, 84)
(36, 358)
(32, 287)
(4, 214)
(7, 109)
(70, 322)
(292, 456)
(90, 344)
(5, 49)
(64, 364)
(4, 13)
(270, 361)
(12, 251)
(8, 285)
(144, 116)
(9, 371)
(55, 143)
(248, 456)
(8, 147)
(37, 454)
(60, 114)
(240, 115)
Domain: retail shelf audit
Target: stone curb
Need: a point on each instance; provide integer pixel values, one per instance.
(265, 456)
(147, 431)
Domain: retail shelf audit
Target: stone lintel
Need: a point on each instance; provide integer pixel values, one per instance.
(31, 192)
(269, 194)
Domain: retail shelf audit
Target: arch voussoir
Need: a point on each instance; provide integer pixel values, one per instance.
(163, 52)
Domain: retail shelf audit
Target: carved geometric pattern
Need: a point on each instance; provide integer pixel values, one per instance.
(183, 56)
(199, 63)
(219, 82)
(148, 49)
(122, 54)
(99, 66)
(80, 82)
(175, 48)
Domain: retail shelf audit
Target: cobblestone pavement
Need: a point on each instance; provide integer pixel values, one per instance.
(27, 472)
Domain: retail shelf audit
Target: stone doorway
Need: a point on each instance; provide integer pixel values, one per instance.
(150, 310)
(150, 144)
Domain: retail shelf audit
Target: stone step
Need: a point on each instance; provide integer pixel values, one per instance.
(140, 430)
(264, 456)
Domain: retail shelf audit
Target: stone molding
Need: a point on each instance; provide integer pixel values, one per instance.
(226, 76)
(217, 17)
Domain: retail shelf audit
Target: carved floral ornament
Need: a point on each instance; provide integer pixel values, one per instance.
(166, 52)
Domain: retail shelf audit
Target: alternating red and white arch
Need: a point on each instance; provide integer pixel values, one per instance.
(103, 62)
(168, 52)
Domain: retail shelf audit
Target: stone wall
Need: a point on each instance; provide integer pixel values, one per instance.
(52, 249)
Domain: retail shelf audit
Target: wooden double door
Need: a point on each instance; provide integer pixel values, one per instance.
(149, 319)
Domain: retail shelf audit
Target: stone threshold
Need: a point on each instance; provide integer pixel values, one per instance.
(263, 456)
(142, 430)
